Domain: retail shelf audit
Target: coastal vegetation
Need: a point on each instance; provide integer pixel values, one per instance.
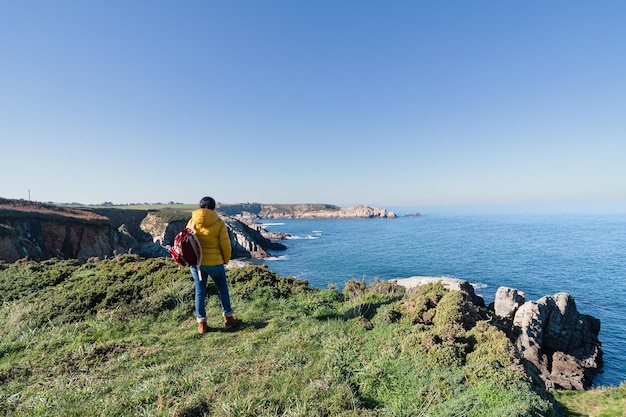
(118, 338)
(601, 402)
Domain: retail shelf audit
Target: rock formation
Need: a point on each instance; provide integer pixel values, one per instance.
(247, 240)
(454, 284)
(558, 342)
(558, 345)
(41, 239)
(507, 301)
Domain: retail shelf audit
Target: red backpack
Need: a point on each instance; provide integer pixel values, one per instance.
(186, 250)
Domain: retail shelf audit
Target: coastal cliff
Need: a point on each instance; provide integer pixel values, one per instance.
(305, 211)
(42, 231)
(559, 347)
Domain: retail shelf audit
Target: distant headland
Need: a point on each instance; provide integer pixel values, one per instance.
(304, 211)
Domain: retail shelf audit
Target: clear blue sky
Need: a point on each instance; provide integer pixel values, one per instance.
(384, 103)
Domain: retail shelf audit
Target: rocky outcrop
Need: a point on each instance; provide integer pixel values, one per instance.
(249, 242)
(507, 301)
(252, 221)
(161, 234)
(413, 215)
(454, 284)
(246, 242)
(558, 343)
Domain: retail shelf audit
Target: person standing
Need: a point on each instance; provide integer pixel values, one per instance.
(216, 251)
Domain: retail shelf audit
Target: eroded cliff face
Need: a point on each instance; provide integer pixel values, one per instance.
(39, 232)
(43, 231)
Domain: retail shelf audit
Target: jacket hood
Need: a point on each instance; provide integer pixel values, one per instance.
(204, 217)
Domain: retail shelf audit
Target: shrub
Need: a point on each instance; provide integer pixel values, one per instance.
(128, 285)
(255, 280)
(490, 344)
(386, 315)
(455, 313)
(447, 355)
(354, 288)
(418, 305)
(25, 278)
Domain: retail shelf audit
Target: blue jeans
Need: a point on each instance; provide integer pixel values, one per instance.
(218, 274)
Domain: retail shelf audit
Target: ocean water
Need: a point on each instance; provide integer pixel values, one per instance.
(540, 251)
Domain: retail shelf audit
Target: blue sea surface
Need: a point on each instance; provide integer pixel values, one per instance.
(540, 252)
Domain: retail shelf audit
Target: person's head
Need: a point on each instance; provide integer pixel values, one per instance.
(207, 203)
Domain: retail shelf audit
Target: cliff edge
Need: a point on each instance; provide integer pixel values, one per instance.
(41, 231)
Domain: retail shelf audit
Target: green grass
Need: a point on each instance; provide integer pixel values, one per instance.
(142, 206)
(118, 338)
(600, 402)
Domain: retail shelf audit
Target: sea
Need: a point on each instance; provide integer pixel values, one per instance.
(540, 250)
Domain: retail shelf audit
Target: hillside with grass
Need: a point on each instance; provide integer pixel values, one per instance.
(118, 338)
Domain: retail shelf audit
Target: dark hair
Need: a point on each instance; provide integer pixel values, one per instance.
(207, 203)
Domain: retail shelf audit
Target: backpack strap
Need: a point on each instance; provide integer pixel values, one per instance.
(197, 248)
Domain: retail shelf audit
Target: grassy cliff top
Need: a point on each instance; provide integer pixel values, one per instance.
(31, 209)
(118, 338)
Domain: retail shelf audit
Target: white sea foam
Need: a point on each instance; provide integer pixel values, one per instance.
(479, 285)
(277, 258)
(302, 237)
(271, 224)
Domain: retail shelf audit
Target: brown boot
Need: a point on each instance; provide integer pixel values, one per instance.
(202, 327)
(231, 321)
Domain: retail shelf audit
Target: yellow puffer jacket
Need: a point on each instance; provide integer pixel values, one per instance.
(213, 236)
